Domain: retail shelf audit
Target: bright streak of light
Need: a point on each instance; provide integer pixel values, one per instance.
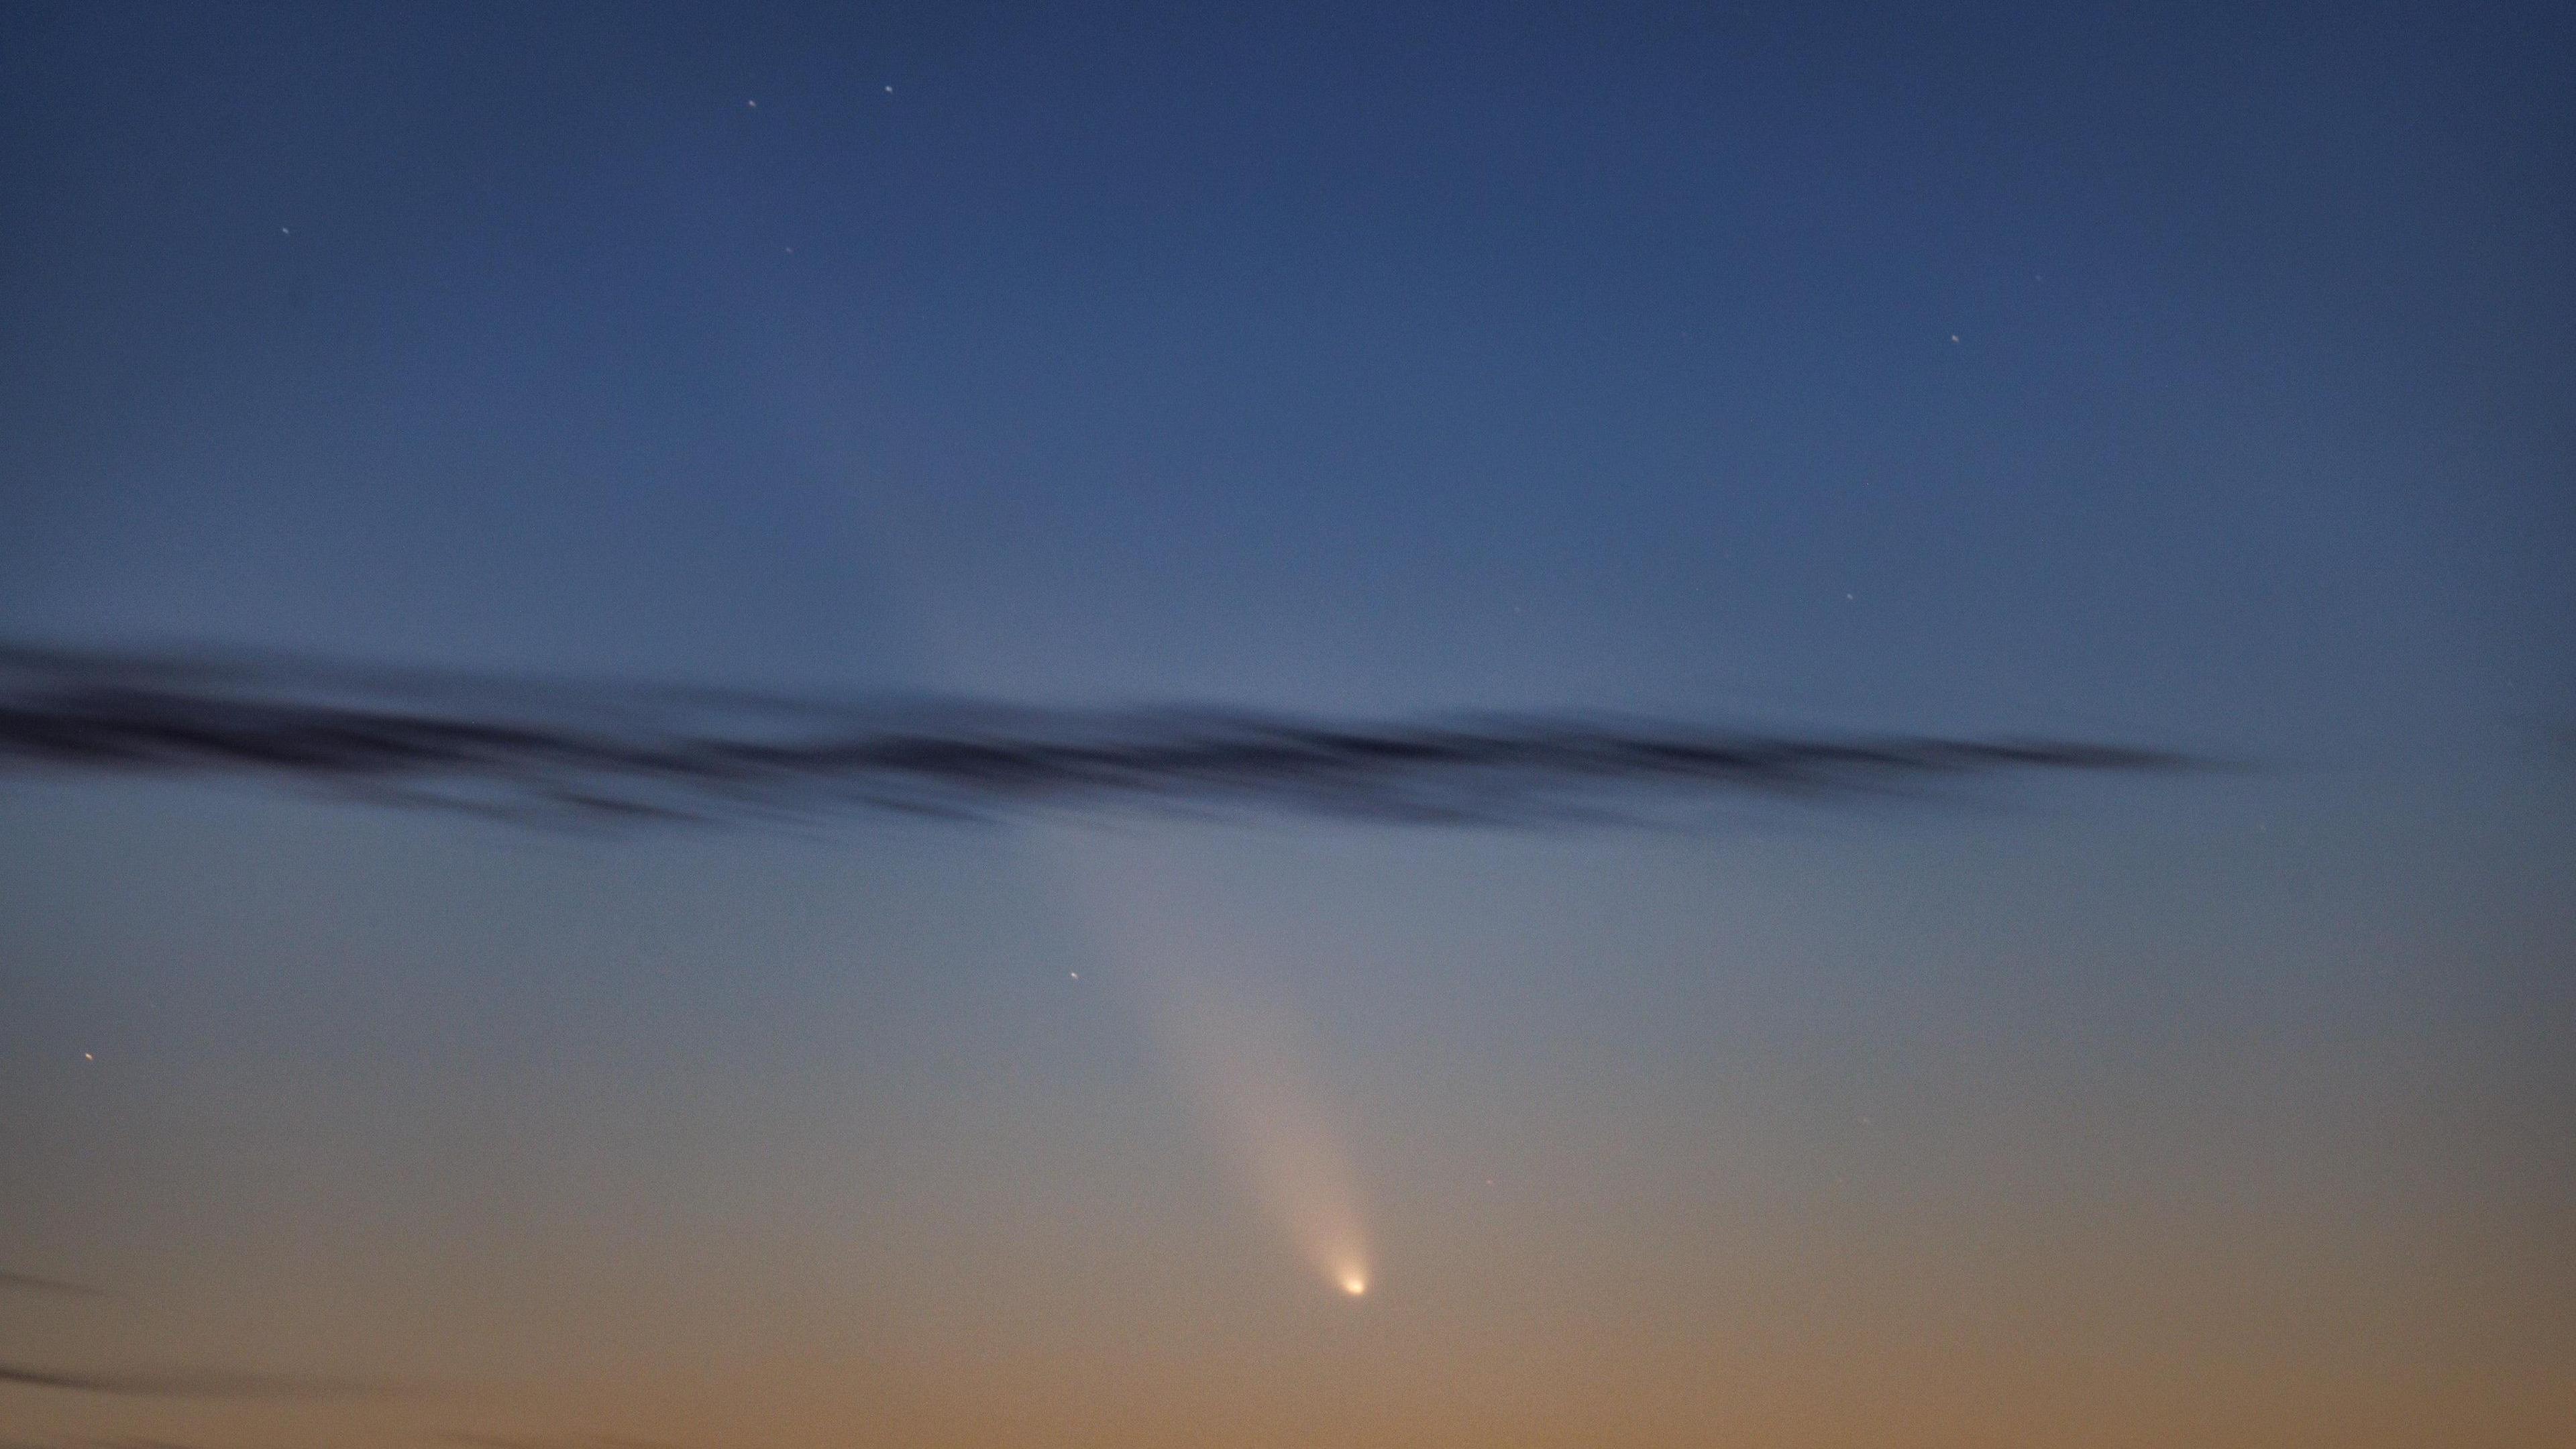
(1236, 1053)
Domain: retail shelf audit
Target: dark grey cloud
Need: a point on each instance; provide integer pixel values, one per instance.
(598, 753)
(95, 1442)
(552, 1442)
(188, 1383)
(50, 1287)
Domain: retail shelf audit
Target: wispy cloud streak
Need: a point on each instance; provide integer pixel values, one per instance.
(187, 1383)
(48, 1287)
(594, 753)
(563, 1442)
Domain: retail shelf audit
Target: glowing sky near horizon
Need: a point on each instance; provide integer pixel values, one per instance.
(2194, 382)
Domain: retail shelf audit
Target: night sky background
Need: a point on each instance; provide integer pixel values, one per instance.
(2172, 377)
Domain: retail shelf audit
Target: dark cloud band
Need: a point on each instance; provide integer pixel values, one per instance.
(592, 753)
(49, 1287)
(560, 1442)
(187, 1383)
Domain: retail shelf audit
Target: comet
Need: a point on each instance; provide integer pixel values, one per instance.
(1234, 1051)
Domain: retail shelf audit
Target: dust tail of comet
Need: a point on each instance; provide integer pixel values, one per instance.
(1235, 1053)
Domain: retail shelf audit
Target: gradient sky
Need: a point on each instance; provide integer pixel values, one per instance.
(2180, 378)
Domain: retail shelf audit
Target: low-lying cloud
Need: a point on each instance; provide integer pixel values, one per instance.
(187, 1383)
(47, 1287)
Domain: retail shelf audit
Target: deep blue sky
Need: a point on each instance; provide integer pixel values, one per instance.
(1382, 357)
(2178, 376)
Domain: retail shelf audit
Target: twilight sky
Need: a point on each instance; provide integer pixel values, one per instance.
(2181, 379)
